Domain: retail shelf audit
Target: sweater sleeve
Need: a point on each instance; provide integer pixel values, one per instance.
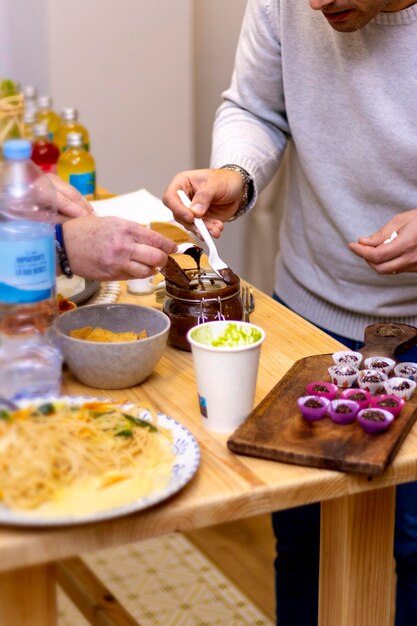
(251, 127)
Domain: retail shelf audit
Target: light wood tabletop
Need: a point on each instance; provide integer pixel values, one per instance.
(357, 511)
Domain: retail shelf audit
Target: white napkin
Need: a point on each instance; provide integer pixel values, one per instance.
(138, 206)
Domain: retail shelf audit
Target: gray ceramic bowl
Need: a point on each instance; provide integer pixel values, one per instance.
(113, 365)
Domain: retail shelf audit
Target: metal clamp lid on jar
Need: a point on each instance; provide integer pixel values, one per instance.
(218, 316)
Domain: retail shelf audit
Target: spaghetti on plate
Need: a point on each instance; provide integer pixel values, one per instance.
(53, 453)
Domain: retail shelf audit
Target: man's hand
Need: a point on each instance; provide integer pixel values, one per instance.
(215, 195)
(70, 203)
(398, 254)
(110, 248)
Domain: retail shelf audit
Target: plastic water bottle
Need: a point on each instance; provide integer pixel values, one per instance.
(30, 362)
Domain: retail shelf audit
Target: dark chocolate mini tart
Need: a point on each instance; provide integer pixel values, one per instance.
(322, 388)
(374, 420)
(389, 402)
(313, 407)
(361, 396)
(343, 410)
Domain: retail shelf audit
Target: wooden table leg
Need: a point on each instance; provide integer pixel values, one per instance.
(90, 596)
(28, 597)
(357, 540)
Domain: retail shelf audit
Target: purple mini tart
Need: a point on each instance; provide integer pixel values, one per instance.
(361, 396)
(343, 411)
(313, 408)
(347, 356)
(400, 387)
(343, 375)
(322, 388)
(380, 363)
(388, 402)
(406, 370)
(372, 380)
(374, 420)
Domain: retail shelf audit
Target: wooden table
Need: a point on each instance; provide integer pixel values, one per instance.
(357, 511)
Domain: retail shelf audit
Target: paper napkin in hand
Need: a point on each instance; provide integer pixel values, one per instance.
(138, 206)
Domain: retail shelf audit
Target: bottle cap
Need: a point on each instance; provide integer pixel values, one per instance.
(44, 102)
(74, 140)
(30, 92)
(69, 114)
(40, 129)
(17, 149)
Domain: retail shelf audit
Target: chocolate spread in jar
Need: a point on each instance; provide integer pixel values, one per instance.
(206, 298)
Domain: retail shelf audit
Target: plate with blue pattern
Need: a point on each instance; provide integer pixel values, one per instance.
(186, 462)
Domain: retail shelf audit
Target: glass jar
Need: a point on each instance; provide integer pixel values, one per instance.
(208, 298)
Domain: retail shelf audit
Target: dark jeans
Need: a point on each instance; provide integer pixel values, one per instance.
(298, 546)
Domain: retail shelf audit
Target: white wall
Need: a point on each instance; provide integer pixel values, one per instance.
(127, 68)
(24, 42)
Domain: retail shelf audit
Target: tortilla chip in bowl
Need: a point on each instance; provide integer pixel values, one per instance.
(113, 358)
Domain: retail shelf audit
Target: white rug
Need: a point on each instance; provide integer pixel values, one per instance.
(167, 582)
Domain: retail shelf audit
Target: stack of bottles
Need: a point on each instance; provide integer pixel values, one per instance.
(49, 151)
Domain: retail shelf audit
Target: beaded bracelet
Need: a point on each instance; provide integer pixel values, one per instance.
(61, 252)
(247, 189)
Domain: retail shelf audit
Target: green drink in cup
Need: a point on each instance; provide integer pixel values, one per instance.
(226, 360)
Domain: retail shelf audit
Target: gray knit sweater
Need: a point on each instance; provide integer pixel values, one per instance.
(345, 105)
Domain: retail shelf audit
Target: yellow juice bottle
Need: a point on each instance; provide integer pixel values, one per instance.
(77, 167)
(29, 119)
(48, 115)
(70, 124)
(30, 95)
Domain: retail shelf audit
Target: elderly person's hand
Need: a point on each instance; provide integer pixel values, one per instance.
(70, 203)
(110, 248)
(388, 254)
(215, 196)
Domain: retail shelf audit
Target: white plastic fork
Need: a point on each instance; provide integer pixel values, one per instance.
(214, 259)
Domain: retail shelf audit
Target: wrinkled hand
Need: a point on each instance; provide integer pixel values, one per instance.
(110, 248)
(215, 195)
(400, 254)
(70, 203)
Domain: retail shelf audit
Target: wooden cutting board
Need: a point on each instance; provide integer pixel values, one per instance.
(276, 430)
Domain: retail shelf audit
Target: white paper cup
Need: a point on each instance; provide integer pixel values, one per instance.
(226, 372)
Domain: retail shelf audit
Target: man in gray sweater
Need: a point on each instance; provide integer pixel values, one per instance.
(342, 102)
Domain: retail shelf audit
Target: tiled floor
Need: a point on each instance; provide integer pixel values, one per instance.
(167, 582)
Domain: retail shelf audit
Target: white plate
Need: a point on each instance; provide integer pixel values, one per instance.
(187, 455)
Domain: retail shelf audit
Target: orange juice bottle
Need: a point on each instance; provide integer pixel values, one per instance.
(70, 124)
(77, 167)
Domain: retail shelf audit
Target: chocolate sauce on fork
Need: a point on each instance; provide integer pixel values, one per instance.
(228, 276)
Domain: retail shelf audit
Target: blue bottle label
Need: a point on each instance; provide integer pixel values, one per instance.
(85, 183)
(27, 266)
